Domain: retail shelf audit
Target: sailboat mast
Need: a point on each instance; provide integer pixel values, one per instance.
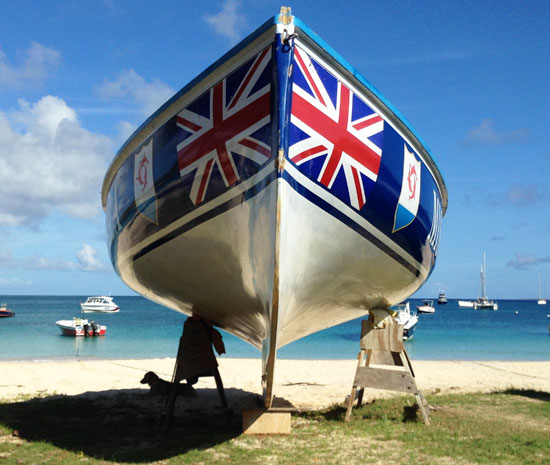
(483, 289)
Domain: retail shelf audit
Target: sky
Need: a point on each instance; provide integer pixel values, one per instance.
(77, 78)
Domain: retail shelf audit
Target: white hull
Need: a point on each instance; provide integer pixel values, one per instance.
(485, 306)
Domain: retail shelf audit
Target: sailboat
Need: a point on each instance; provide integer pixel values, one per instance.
(541, 301)
(483, 302)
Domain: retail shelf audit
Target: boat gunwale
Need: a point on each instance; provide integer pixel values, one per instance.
(392, 114)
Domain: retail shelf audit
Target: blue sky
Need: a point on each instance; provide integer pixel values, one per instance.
(76, 78)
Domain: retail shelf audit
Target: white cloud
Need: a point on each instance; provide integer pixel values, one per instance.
(15, 282)
(148, 96)
(486, 134)
(87, 259)
(37, 63)
(228, 22)
(48, 161)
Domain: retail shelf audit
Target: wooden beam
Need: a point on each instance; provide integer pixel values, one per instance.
(380, 378)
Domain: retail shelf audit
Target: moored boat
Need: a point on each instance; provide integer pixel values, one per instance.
(426, 307)
(277, 194)
(99, 304)
(81, 327)
(408, 319)
(483, 302)
(442, 298)
(5, 311)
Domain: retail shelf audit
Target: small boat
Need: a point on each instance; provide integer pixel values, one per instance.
(275, 195)
(541, 301)
(99, 304)
(466, 303)
(426, 307)
(406, 318)
(442, 299)
(80, 327)
(5, 311)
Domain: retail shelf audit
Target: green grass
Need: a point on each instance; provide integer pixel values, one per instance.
(510, 427)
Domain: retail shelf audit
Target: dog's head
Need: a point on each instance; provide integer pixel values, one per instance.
(149, 378)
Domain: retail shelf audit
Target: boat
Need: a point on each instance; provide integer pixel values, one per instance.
(483, 302)
(466, 303)
(5, 311)
(406, 318)
(81, 327)
(275, 195)
(426, 307)
(541, 301)
(99, 304)
(442, 299)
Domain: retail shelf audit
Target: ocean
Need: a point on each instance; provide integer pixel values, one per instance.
(142, 329)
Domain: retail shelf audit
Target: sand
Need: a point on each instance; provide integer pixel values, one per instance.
(306, 384)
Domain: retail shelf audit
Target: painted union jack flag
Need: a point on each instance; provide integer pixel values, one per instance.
(227, 130)
(335, 136)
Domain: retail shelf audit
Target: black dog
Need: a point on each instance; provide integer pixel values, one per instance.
(160, 387)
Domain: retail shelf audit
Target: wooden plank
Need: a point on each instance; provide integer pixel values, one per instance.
(379, 357)
(388, 339)
(380, 378)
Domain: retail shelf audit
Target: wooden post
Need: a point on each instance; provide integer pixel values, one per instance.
(195, 360)
(384, 347)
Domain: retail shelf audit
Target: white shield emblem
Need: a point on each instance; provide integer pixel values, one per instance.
(409, 199)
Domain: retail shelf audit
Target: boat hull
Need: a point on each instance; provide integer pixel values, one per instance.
(85, 309)
(231, 203)
(69, 328)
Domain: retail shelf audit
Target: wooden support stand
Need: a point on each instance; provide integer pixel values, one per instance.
(195, 360)
(384, 347)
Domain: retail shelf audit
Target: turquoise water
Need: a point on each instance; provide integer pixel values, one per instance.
(143, 329)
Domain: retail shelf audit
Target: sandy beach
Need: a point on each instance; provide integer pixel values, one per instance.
(306, 384)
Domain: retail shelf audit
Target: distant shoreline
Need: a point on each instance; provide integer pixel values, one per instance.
(304, 383)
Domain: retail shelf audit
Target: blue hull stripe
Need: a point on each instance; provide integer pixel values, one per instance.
(222, 208)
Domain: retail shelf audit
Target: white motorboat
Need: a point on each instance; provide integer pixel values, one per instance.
(406, 318)
(275, 195)
(81, 327)
(99, 304)
(442, 299)
(466, 303)
(426, 307)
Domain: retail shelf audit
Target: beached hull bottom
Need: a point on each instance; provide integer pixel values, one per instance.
(228, 270)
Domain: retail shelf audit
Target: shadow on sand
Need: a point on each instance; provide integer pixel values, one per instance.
(128, 425)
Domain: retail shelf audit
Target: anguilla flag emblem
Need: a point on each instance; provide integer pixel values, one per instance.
(409, 199)
(144, 186)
